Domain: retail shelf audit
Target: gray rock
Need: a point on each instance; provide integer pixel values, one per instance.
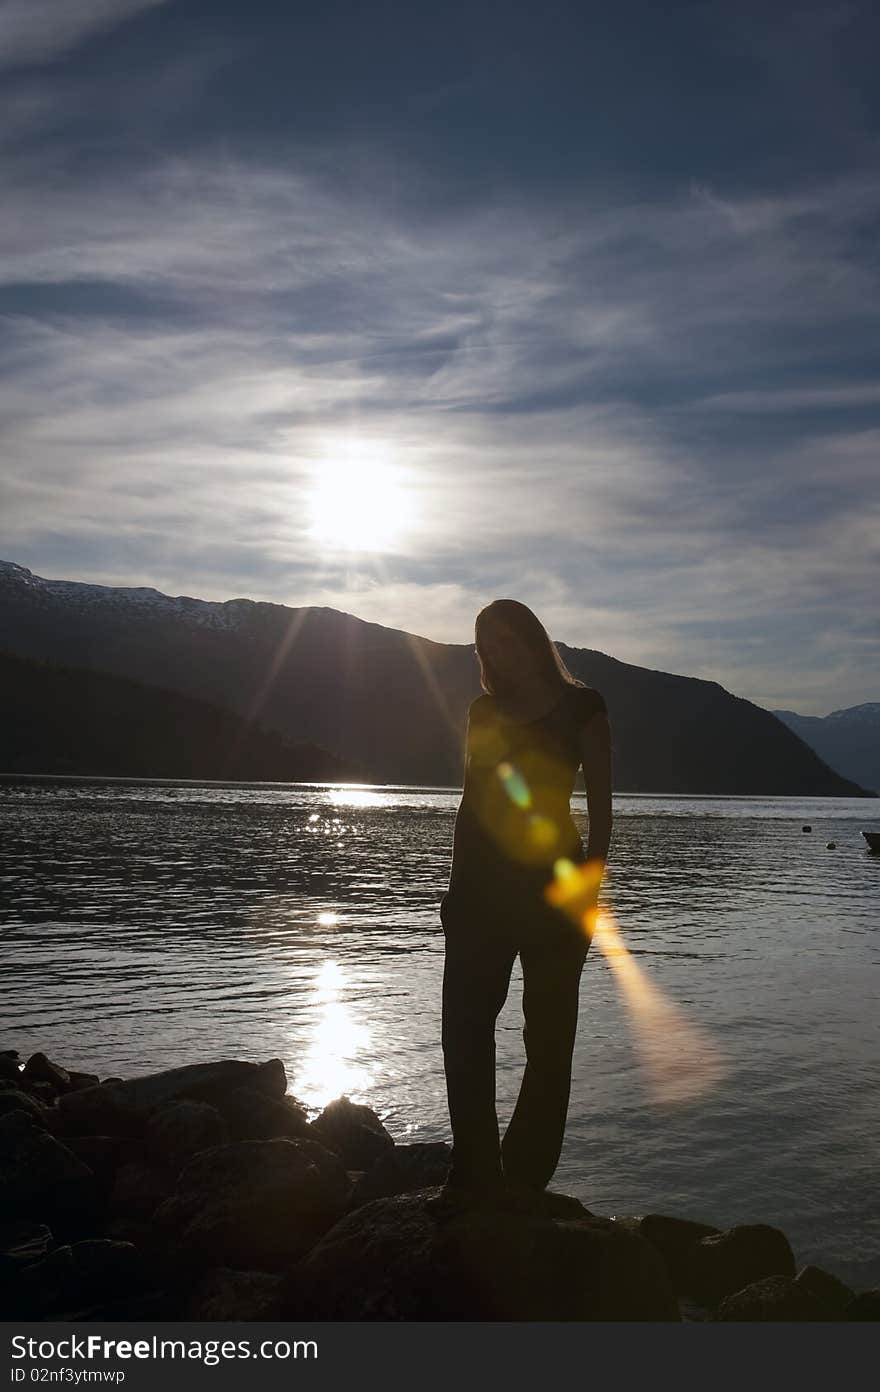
(10, 1065)
(252, 1116)
(13, 1099)
(393, 1260)
(105, 1155)
(138, 1190)
(45, 1093)
(78, 1081)
(178, 1130)
(40, 1177)
(773, 1298)
(40, 1069)
(22, 1243)
(253, 1205)
(44, 1287)
(866, 1306)
(354, 1131)
(123, 1107)
(833, 1294)
(720, 1265)
(225, 1294)
(673, 1239)
(77, 1277)
(98, 1111)
(402, 1169)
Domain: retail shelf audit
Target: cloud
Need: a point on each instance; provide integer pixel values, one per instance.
(36, 31)
(568, 387)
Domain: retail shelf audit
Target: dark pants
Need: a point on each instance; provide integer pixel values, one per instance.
(482, 944)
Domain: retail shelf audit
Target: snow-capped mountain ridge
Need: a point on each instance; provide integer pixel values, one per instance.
(204, 613)
(395, 702)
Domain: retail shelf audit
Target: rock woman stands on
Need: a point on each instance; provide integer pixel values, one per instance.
(521, 883)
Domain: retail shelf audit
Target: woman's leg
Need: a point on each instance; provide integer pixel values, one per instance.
(476, 977)
(551, 982)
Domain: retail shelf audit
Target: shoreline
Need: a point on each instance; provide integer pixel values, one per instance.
(578, 795)
(205, 1192)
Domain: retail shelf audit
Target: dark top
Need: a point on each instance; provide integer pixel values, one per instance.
(514, 820)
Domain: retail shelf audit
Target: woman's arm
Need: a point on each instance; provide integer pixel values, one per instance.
(595, 749)
(577, 894)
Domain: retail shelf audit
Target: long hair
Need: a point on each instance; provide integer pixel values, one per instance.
(543, 656)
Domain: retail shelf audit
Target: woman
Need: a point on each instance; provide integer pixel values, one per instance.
(516, 855)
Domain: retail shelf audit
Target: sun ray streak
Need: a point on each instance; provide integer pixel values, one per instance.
(680, 1059)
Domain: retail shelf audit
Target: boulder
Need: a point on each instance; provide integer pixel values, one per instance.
(123, 1107)
(106, 1155)
(97, 1111)
(253, 1205)
(45, 1093)
(224, 1294)
(10, 1065)
(39, 1177)
(354, 1131)
(252, 1116)
(392, 1259)
(13, 1099)
(773, 1298)
(673, 1239)
(138, 1190)
(78, 1081)
(833, 1294)
(137, 1231)
(77, 1277)
(403, 1169)
(43, 1287)
(22, 1243)
(40, 1069)
(177, 1131)
(726, 1262)
(866, 1306)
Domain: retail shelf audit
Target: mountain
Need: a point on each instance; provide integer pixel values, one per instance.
(848, 740)
(392, 700)
(75, 721)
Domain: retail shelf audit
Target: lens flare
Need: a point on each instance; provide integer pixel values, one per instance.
(680, 1059)
(542, 831)
(515, 785)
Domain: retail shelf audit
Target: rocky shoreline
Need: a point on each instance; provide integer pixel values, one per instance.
(205, 1193)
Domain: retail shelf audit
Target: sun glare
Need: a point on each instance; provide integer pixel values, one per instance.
(359, 500)
(332, 1064)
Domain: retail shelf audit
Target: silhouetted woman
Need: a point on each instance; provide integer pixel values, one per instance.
(521, 882)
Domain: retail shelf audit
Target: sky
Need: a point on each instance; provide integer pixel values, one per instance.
(402, 307)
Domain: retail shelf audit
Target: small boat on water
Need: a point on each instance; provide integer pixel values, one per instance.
(873, 839)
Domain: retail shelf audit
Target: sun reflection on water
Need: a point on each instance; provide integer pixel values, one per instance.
(328, 1066)
(356, 797)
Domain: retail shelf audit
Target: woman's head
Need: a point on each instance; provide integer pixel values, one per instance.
(514, 647)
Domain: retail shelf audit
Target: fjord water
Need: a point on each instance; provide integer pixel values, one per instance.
(149, 924)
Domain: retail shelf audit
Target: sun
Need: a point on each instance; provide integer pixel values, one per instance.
(359, 500)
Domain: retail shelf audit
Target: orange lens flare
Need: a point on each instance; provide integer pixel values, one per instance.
(680, 1059)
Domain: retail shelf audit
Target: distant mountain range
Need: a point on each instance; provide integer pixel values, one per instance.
(71, 720)
(391, 701)
(848, 740)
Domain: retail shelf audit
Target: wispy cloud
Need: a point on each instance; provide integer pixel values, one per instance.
(647, 416)
(35, 31)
